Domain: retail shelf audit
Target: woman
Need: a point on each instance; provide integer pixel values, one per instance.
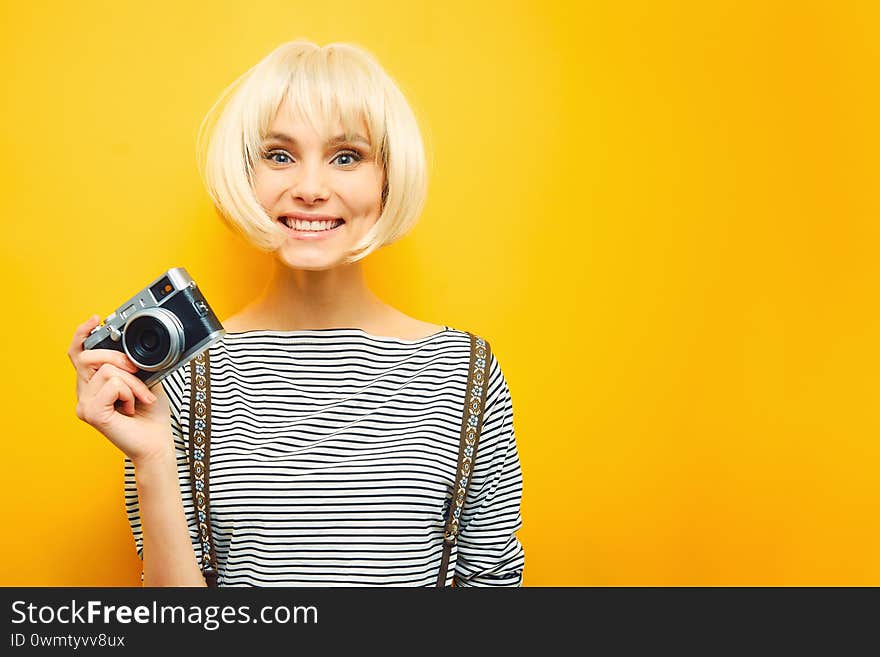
(335, 417)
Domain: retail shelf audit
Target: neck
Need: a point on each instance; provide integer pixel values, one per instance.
(297, 299)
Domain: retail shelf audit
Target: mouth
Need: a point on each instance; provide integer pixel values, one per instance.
(311, 230)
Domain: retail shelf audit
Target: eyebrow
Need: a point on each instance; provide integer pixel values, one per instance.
(338, 139)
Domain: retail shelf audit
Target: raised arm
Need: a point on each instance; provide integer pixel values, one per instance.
(135, 419)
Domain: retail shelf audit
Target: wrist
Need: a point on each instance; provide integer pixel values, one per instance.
(154, 461)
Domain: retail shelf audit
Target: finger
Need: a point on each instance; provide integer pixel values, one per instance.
(108, 371)
(125, 396)
(87, 363)
(111, 391)
(92, 359)
(81, 333)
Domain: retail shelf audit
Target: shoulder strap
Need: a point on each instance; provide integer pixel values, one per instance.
(471, 425)
(200, 458)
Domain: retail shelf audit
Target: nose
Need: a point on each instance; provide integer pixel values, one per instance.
(308, 184)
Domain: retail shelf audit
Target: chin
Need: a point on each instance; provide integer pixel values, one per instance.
(312, 262)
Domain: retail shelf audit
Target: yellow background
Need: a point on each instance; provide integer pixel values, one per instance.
(663, 218)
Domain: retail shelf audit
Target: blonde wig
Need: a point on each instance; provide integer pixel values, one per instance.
(339, 81)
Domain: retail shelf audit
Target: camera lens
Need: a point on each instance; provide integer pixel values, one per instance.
(147, 340)
(152, 339)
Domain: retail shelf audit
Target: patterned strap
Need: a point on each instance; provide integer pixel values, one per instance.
(471, 425)
(200, 458)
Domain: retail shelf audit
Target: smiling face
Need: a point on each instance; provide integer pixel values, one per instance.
(299, 173)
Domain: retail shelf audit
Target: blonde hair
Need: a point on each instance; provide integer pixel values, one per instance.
(337, 81)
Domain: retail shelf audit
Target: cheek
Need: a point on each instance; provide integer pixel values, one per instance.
(266, 189)
(270, 184)
(365, 195)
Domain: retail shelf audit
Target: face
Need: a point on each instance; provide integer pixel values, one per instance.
(300, 174)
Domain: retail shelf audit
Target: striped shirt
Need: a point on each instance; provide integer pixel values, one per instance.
(333, 456)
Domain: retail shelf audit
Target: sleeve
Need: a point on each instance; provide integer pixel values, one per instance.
(171, 384)
(132, 511)
(489, 553)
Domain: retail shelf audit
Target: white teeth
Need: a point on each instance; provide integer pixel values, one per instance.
(298, 224)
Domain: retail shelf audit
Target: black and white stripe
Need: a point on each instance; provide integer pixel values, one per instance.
(333, 454)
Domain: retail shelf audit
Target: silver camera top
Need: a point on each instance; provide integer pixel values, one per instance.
(152, 296)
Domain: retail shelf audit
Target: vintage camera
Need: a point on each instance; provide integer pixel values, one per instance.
(162, 327)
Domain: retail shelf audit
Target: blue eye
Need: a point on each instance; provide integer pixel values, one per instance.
(357, 157)
(269, 156)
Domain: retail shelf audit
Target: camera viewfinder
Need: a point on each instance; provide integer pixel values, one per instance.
(162, 289)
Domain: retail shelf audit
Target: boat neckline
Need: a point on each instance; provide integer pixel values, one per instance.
(336, 330)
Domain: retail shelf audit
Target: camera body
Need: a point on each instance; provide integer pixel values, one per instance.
(162, 327)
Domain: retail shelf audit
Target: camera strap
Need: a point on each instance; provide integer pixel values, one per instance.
(200, 452)
(471, 426)
(200, 458)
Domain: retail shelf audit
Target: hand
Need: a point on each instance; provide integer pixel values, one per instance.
(117, 403)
